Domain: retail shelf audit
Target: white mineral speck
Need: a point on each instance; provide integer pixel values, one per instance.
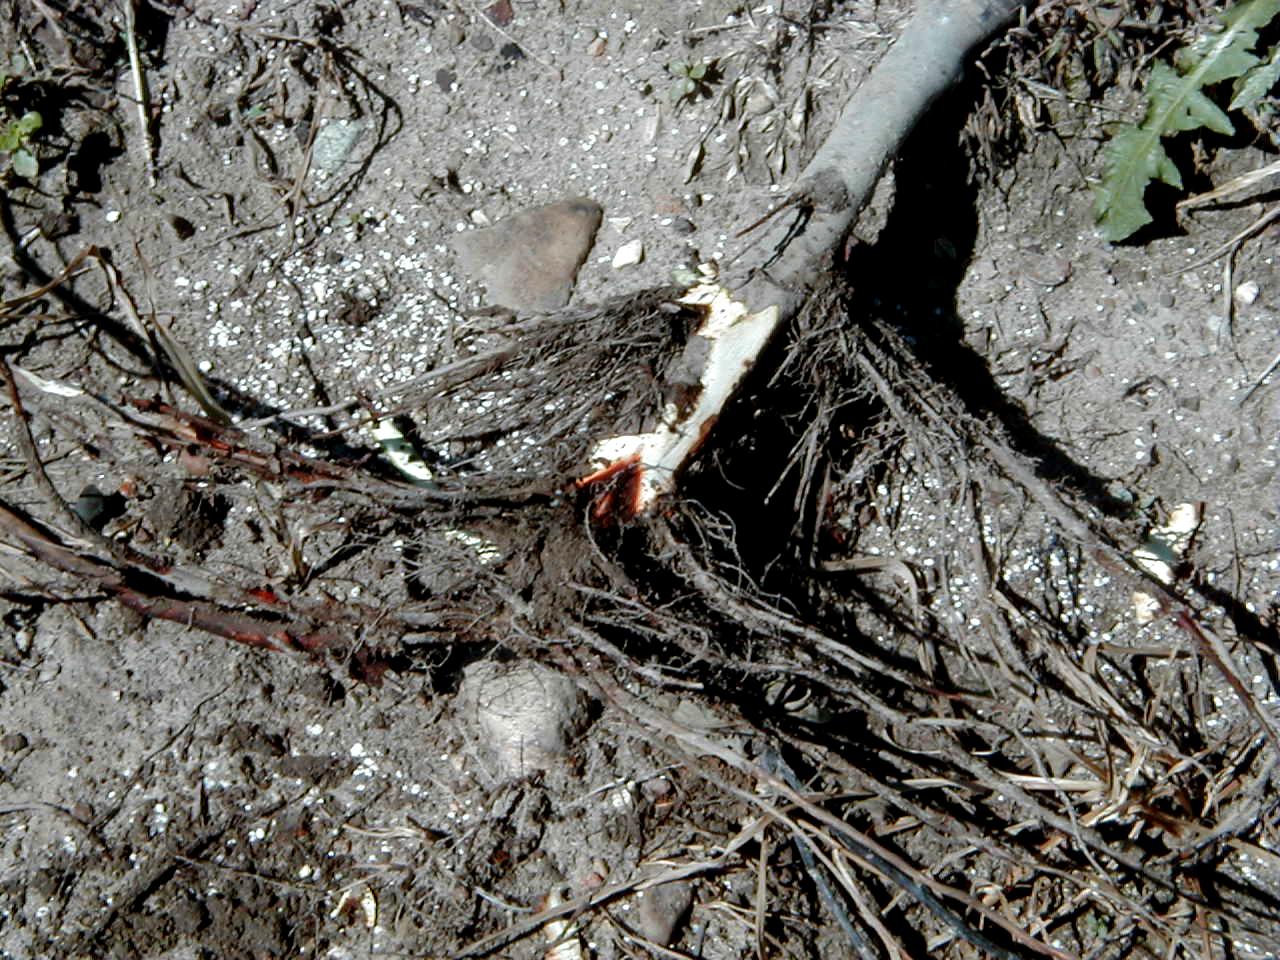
(628, 255)
(1246, 293)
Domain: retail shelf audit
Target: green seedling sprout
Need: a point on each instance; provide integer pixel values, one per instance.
(15, 135)
(691, 79)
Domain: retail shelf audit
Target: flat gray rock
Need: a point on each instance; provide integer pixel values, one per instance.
(528, 262)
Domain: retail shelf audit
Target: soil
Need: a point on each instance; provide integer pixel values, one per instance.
(166, 793)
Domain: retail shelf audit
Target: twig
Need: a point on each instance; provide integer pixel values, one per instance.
(587, 901)
(1235, 185)
(893, 866)
(7, 307)
(773, 762)
(481, 16)
(1256, 227)
(1260, 381)
(140, 92)
(35, 465)
(273, 631)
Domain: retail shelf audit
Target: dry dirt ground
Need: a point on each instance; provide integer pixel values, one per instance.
(1105, 786)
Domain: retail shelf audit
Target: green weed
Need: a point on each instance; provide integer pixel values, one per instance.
(1176, 102)
(16, 151)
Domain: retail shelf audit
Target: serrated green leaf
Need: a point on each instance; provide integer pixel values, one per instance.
(1226, 53)
(1175, 102)
(1176, 105)
(1257, 83)
(24, 163)
(1133, 158)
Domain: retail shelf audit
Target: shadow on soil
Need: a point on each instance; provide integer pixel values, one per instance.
(914, 271)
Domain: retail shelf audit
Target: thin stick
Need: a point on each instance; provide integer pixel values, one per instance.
(482, 16)
(1254, 228)
(1260, 381)
(921, 888)
(773, 762)
(141, 95)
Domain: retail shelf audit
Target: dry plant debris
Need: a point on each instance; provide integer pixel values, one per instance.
(704, 681)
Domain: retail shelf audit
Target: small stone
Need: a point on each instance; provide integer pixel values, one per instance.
(445, 80)
(417, 13)
(482, 42)
(55, 225)
(682, 225)
(662, 909)
(529, 261)
(657, 789)
(82, 811)
(500, 13)
(628, 255)
(333, 144)
(510, 53)
(96, 508)
(1190, 401)
(183, 228)
(1165, 299)
(1047, 270)
(14, 742)
(1246, 293)
(309, 768)
(598, 46)
(525, 714)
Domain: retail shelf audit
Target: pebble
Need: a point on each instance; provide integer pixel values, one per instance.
(529, 261)
(14, 742)
(500, 13)
(525, 714)
(662, 909)
(333, 144)
(628, 255)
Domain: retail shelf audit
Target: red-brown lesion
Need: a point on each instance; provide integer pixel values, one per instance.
(618, 488)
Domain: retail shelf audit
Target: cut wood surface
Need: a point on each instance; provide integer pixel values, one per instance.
(798, 247)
